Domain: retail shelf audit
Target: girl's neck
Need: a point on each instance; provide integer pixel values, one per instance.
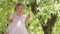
(19, 14)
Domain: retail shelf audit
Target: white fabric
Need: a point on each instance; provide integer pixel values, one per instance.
(18, 25)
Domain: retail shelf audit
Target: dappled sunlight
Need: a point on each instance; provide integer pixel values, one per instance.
(42, 12)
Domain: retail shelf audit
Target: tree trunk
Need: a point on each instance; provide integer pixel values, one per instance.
(47, 30)
(47, 27)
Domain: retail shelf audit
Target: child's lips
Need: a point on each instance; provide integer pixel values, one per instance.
(20, 11)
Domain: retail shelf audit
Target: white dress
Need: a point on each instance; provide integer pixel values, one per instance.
(18, 25)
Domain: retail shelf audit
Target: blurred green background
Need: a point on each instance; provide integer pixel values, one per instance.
(44, 7)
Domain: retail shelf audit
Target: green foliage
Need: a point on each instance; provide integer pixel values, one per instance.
(45, 7)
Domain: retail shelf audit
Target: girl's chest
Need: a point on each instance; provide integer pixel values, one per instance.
(17, 19)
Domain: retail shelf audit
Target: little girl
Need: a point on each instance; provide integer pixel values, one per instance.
(17, 23)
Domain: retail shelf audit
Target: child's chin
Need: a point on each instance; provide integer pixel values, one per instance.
(20, 11)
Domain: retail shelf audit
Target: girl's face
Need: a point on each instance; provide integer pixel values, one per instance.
(19, 9)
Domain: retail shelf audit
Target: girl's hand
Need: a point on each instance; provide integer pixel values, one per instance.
(5, 32)
(8, 19)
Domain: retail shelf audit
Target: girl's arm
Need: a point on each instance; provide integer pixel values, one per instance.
(8, 19)
(5, 32)
(27, 18)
